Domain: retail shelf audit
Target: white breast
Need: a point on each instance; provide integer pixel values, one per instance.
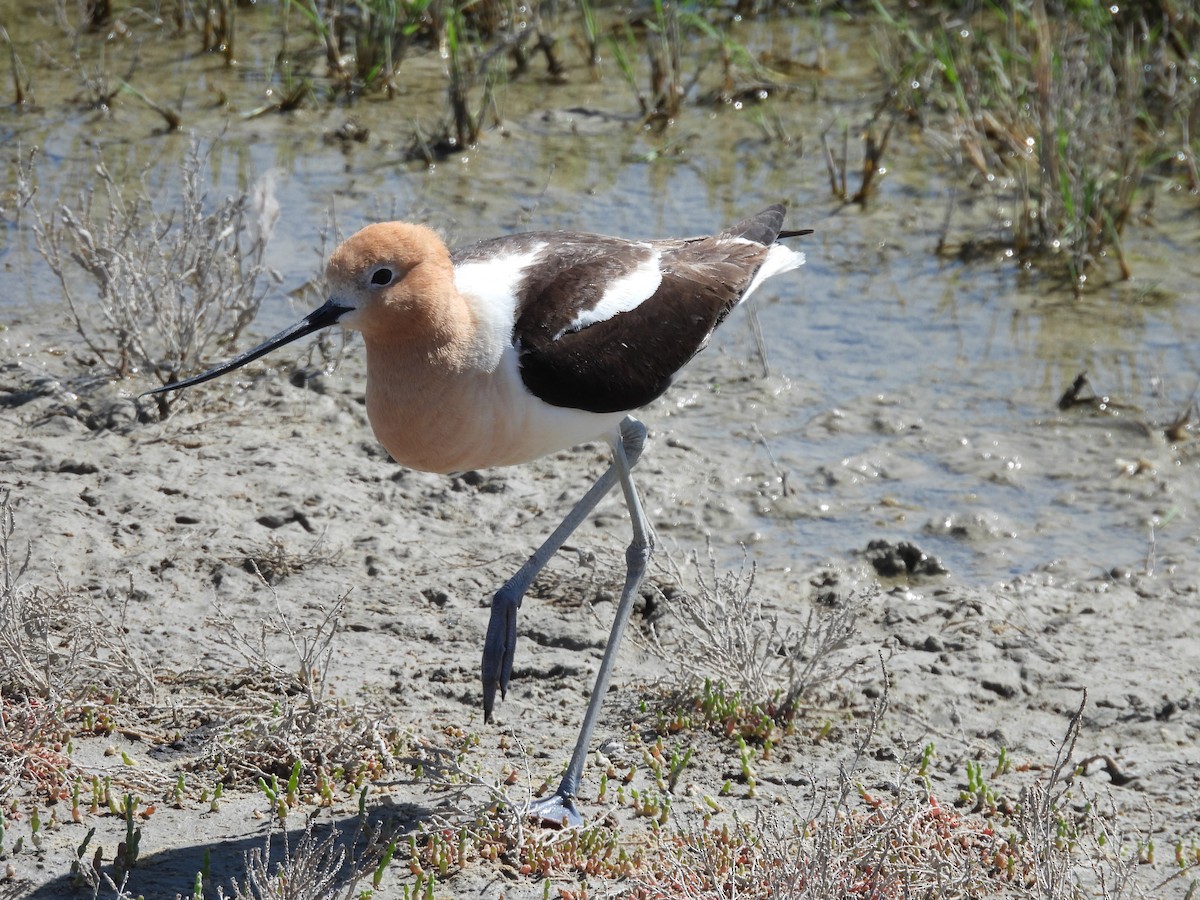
(486, 416)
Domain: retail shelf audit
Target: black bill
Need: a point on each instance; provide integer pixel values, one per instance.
(322, 317)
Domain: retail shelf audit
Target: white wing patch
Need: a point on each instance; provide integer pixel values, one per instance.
(490, 288)
(621, 294)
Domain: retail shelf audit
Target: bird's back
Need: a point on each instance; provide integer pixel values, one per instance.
(603, 324)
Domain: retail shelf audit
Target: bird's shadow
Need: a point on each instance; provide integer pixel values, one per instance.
(336, 844)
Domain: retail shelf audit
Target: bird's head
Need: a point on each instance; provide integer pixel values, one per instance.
(386, 277)
(381, 280)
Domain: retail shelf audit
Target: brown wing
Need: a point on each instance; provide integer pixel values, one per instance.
(626, 361)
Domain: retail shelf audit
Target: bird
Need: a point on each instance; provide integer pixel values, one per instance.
(506, 350)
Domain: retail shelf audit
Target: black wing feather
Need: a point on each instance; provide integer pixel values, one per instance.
(624, 362)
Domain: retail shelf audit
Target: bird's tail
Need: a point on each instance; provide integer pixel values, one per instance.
(766, 227)
(762, 228)
(778, 259)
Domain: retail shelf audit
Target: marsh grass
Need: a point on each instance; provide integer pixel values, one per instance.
(338, 51)
(466, 68)
(162, 288)
(473, 76)
(98, 84)
(172, 117)
(837, 162)
(21, 82)
(659, 35)
(1059, 116)
(220, 29)
(895, 841)
(663, 36)
(363, 43)
(380, 33)
(588, 37)
(1055, 842)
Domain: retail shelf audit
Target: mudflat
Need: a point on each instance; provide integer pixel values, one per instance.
(252, 582)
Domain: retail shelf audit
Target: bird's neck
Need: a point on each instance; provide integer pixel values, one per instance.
(434, 334)
(420, 369)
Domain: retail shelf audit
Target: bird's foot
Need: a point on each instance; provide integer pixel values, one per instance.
(556, 811)
(499, 647)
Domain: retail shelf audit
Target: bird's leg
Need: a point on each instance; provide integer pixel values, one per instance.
(501, 640)
(560, 808)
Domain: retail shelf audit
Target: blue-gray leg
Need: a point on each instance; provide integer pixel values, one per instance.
(501, 640)
(560, 808)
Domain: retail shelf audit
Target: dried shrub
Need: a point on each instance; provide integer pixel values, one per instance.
(273, 560)
(62, 656)
(57, 645)
(727, 636)
(167, 288)
(276, 712)
(328, 868)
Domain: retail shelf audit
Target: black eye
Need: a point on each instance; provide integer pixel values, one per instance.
(381, 275)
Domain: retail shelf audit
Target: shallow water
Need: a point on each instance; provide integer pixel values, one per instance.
(911, 397)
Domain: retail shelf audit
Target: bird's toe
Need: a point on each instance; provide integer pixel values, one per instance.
(498, 647)
(556, 811)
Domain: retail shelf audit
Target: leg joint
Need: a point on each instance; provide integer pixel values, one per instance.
(633, 439)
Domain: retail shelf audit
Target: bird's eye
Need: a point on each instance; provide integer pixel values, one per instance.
(382, 276)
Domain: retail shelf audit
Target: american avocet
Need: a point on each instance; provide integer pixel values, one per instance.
(519, 346)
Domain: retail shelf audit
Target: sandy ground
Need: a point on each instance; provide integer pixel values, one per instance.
(151, 525)
(372, 586)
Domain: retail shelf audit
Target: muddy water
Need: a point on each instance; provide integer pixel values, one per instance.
(911, 398)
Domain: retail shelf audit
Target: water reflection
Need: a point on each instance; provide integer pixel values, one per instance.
(913, 396)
